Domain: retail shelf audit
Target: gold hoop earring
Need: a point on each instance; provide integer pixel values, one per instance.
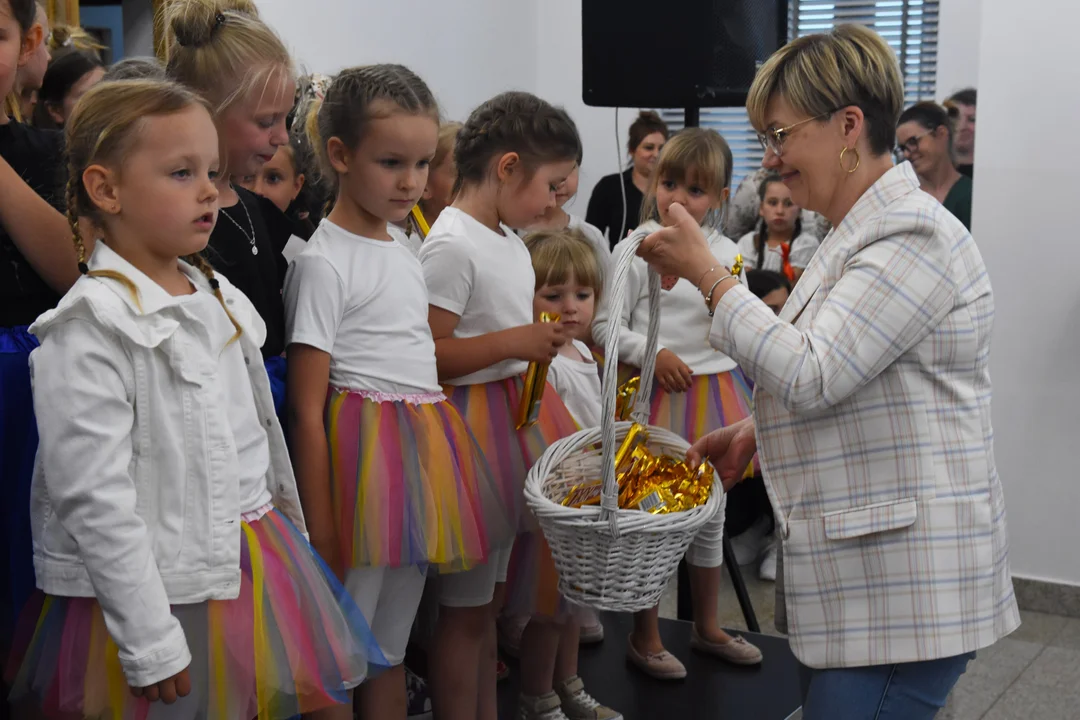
(858, 160)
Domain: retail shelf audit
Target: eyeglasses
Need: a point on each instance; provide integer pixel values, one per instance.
(774, 139)
(909, 146)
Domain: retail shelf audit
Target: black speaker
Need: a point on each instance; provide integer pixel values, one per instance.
(677, 53)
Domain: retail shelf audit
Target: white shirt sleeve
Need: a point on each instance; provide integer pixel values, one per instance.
(314, 302)
(803, 249)
(448, 272)
(85, 420)
(748, 251)
(631, 343)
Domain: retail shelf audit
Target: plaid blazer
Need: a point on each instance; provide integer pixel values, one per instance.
(872, 408)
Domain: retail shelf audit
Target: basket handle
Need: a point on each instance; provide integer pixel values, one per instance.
(609, 494)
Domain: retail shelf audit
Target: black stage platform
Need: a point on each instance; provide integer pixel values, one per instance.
(712, 690)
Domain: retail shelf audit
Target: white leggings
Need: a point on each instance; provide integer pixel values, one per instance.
(707, 548)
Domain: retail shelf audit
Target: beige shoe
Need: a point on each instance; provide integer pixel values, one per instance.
(662, 665)
(736, 651)
(592, 631)
(580, 705)
(545, 707)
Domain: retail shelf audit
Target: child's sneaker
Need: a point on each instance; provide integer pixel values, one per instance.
(545, 707)
(418, 701)
(580, 705)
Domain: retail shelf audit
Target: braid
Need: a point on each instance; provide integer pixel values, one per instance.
(201, 264)
(759, 243)
(71, 198)
(350, 104)
(516, 122)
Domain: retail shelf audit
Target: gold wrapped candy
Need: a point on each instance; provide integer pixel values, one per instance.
(651, 483)
(588, 493)
(625, 396)
(736, 267)
(535, 381)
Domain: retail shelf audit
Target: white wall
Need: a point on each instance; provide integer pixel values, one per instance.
(478, 48)
(466, 50)
(1024, 220)
(559, 81)
(959, 30)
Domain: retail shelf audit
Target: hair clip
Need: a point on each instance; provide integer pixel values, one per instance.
(84, 269)
(214, 285)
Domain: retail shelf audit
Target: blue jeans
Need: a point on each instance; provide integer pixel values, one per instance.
(905, 691)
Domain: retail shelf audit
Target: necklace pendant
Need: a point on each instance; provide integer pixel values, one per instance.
(254, 250)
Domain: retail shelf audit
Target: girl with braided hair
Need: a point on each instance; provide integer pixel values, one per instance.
(391, 478)
(512, 154)
(175, 581)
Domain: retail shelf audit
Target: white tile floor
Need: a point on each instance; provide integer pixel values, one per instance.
(1033, 673)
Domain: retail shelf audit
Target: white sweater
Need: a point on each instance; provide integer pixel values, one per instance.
(684, 319)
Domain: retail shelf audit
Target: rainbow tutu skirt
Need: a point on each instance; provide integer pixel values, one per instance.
(292, 642)
(410, 483)
(712, 402)
(491, 409)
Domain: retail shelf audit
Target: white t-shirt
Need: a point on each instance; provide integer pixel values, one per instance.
(363, 301)
(578, 384)
(412, 241)
(802, 249)
(485, 278)
(684, 320)
(234, 384)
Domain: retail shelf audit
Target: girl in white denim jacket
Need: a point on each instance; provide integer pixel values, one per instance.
(167, 529)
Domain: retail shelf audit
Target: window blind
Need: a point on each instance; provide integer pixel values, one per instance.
(909, 26)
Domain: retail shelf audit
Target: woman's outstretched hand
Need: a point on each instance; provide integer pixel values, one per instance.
(679, 250)
(729, 449)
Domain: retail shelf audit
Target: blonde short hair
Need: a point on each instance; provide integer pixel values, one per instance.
(820, 74)
(558, 255)
(696, 155)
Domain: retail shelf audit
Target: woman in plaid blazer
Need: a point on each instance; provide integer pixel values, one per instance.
(872, 402)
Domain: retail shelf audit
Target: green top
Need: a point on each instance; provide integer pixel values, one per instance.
(958, 201)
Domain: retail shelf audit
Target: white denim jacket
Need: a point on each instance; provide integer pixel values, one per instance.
(135, 497)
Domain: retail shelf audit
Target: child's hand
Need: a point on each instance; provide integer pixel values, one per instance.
(168, 690)
(672, 373)
(539, 342)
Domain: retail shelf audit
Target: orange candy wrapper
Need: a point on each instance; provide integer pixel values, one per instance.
(535, 381)
(651, 483)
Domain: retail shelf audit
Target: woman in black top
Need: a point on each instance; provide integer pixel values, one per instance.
(246, 246)
(606, 208)
(38, 158)
(230, 57)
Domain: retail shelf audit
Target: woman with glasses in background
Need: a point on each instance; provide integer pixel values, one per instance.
(871, 399)
(924, 137)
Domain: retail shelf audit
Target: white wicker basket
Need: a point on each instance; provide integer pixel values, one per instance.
(608, 558)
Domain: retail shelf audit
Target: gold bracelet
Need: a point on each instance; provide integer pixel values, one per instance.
(698, 285)
(708, 298)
